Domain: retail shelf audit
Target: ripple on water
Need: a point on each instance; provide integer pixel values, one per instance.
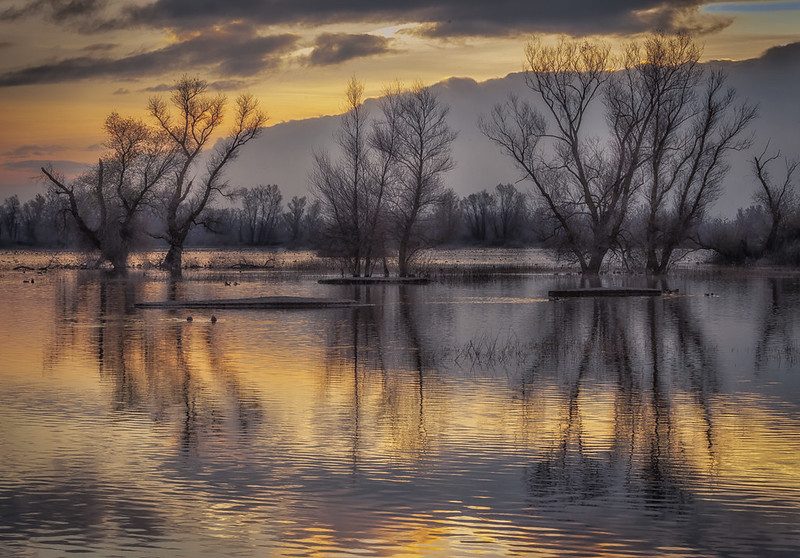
(458, 419)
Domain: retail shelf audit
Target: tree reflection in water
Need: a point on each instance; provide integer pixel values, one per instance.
(601, 417)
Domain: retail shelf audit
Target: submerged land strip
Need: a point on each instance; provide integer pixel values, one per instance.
(263, 302)
(603, 291)
(374, 281)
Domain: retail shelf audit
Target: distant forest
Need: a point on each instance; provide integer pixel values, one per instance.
(259, 216)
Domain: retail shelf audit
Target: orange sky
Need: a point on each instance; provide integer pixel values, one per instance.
(60, 119)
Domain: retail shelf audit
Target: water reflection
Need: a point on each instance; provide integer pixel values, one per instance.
(444, 419)
(777, 320)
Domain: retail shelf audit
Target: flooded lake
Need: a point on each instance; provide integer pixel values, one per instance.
(463, 417)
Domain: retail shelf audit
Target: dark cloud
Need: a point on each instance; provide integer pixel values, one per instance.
(333, 48)
(121, 91)
(219, 85)
(229, 84)
(5, 44)
(54, 10)
(233, 50)
(32, 150)
(504, 18)
(783, 55)
(160, 88)
(99, 47)
(441, 18)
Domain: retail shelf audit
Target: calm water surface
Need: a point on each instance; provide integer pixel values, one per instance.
(458, 418)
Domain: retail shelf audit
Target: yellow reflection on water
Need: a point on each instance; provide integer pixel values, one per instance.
(344, 431)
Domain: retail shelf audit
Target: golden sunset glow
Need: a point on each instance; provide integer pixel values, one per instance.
(57, 115)
(419, 278)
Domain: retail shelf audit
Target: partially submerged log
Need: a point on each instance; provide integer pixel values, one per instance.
(375, 281)
(264, 303)
(603, 291)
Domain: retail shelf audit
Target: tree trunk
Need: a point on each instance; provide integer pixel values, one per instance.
(666, 257)
(357, 265)
(119, 261)
(652, 259)
(173, 262)
(590, 282)
(402, 257)
(595, 262)
(772, 237)
(368, 264)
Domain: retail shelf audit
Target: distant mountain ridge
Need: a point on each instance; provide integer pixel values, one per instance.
(283, 154)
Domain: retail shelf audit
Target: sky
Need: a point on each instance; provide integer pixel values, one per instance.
(65, 64)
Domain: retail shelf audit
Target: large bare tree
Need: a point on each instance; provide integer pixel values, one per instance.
(385, 144)
(353, 188)
(190, 119)
(588, 184)
(106, 201)
(423, 156)
(696, 124)
(342, 185)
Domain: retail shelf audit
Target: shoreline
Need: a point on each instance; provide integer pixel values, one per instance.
(436, 262)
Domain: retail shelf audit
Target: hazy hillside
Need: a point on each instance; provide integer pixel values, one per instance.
(283, 154)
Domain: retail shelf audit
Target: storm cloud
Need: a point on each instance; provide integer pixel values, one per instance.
(243, 39)
(441, 17)
(32, 150)
(234, 50)
(334, 48)
(438, 18)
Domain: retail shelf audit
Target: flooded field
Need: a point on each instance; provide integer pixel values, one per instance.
(463, 417)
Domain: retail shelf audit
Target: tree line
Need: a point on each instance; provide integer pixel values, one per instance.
(258, 216)
(638, 193)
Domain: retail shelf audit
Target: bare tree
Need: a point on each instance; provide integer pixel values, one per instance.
(777, 198)
(312, 222)
(353, 189)
(295, 211)
(696, 123)
(423, 157)
(587, 184)
(447, 217)
(260, 213)
(385, 143)
(11, 217)
(32, 217)
(341, 185)
(196, 118)
(42, 220)
(105, 202)
(510, 212)
(672, 68)
(478, 210)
